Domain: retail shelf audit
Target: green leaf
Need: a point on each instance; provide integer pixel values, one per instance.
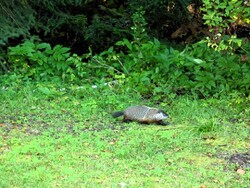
(45, 90)
(43, 45)
(140, 55)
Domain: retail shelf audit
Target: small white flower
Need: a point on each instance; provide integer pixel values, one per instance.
(122, 184)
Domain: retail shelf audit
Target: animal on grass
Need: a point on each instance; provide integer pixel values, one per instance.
(142, 114)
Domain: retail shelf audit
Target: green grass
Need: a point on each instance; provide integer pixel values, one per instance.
(54, 137)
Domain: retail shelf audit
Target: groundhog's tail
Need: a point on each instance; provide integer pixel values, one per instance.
(117, 114)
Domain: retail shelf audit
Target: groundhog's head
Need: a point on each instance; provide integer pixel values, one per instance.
(160, 115)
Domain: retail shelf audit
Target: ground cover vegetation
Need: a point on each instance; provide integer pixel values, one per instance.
(65, 66)
(67, 137)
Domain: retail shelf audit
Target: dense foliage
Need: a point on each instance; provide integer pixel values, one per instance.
(135, 52)
(82, 23)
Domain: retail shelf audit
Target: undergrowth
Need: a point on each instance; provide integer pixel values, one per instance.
(148, 66)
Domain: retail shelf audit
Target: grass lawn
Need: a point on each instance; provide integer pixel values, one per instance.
(64, 136)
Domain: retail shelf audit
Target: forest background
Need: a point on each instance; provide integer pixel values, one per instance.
(186, 47)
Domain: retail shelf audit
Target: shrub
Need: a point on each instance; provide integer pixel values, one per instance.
(142, 64)
(225, 17)
(154, 69)
(34, 60)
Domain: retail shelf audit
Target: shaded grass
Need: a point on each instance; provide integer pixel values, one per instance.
(67, 138)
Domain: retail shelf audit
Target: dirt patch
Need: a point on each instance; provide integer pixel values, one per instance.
(242, 160)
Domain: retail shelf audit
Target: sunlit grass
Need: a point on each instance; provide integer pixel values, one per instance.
(69, 139)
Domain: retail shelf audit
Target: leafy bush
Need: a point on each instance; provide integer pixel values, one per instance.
(40, 61)
(147, 66)
(223, 17)
(223, 13)
(228, 71)
(154, 69)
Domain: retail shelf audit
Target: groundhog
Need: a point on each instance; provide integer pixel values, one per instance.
(142, 114)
